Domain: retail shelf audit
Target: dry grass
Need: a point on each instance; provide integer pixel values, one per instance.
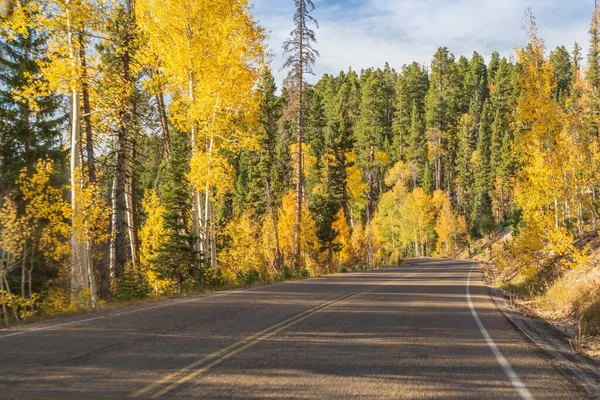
(567, 298)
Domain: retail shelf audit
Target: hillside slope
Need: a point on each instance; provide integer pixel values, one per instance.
(568, 298)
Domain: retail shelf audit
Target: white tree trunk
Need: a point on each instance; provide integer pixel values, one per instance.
(80, 277)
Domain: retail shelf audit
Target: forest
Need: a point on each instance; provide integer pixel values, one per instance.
(147, 151)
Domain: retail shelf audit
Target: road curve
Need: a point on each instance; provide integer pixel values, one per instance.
(427, 330)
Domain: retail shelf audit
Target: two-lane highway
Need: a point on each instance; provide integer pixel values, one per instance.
(427, 330)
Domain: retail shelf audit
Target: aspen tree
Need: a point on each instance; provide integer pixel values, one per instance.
(212, 54)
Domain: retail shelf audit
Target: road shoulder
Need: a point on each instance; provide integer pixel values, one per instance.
(580, 370)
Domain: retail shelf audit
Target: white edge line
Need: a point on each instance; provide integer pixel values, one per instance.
(510, 372)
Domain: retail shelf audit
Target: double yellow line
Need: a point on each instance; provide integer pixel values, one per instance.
(186, 374)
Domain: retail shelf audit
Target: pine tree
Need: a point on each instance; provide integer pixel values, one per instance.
(341, 139)
(476, 86)
(593, 58)
(428, 179)
(417, 149)
(370, 135)
(411, 88)
(324, 208)
(593, 72)
(464, 164)
(316, 126)
(120, 78)
(561, 63)
(26, 134)
(177, 259)
(442, 111)
(481, 217)
(389, 78)
(302, 57)
(493, 68)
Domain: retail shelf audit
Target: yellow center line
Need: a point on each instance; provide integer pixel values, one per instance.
(189, 372)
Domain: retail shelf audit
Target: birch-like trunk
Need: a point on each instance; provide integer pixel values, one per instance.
(197, 225)
(164, 124)
(79, 257)
(113, 231)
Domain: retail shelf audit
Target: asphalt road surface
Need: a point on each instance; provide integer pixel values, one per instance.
(425, 331)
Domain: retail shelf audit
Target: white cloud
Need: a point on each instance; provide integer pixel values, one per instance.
(361, 34)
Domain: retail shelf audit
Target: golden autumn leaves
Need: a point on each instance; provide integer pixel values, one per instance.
(559, 154)
(415, 219)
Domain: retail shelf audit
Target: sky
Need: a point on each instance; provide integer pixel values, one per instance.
(367, 33)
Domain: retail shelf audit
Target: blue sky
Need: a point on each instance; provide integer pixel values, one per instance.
(364, 33)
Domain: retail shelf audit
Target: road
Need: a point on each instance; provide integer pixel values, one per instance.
(427, 330)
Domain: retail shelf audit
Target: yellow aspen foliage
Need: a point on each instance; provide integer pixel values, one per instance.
(47, 211)
(346, 254)
(19, 20)
(93, 220)
(211, 171)
(152, 236)
(308, 160)
(308, 240)
(153, 231)
(543, 184)
(382, 159)
(450, 229)
(19, 306)
(58, 18)
(359, 243)
(268, 241)
(211, 53)
(357, 188)
(387, 222)
(243, 256)
(13, 229)
(417, 218)
(439, 199)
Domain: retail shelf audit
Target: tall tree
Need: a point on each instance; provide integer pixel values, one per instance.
(411, 88)
(119, 81)
(562, 65)
(593, 72)
(442, 112)
(198, 42)
(301, 59)
(481, 217)
(30, 130)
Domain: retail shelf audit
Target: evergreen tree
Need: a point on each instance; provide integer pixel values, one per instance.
(324, 208)
(370, 134)
(493, 68)
(341, 139)
(428, 183)
(302, 57)
(26, 134)
(577, 58)
(593, 58)
(177, 258)
(443, 108)
(476, 86)
(316, 124)
(282, 173)
(411, 88)
(464, 171)
(390, 77)
(561, 63)
(417, 145)
(481, 217)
